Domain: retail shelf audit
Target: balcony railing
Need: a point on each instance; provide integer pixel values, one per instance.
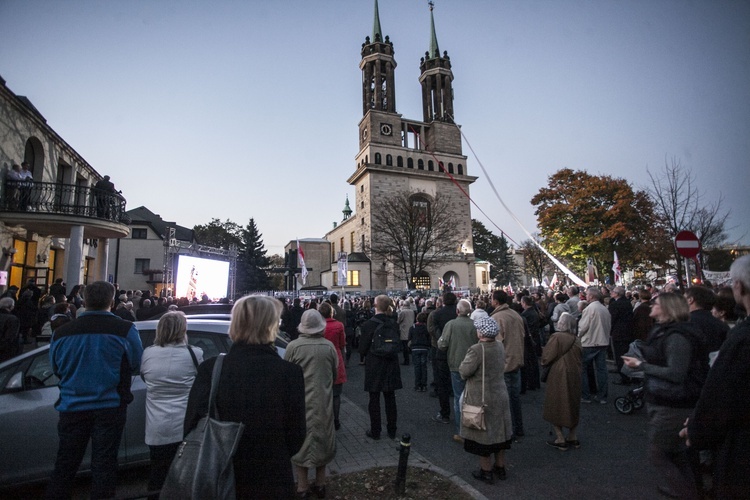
(63, 199)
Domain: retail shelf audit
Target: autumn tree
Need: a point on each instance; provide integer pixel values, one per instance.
(413, 231)
(682, 207)
(535, 262)
(587, 216)
(495, 250)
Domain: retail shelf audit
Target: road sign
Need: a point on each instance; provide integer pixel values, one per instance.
(687, 243)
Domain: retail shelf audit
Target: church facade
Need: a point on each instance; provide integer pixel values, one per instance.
(421, 159)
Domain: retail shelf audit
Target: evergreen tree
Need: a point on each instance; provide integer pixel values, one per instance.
(252, 260)
(494, 249)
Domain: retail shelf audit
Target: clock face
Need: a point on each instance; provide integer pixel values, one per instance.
(385, 129)
(364, 133)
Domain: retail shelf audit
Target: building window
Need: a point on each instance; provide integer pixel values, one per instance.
(362, 205)
(341, 244)
(362, 188)
(420, 211)
(441, 167)
(399, 161)
(420, 164)
(351, 242)
(138, 233)
(430, 166)
(141, 265)
(389, 160)
(377, 158)
(333, 251)
(352, 278)
(460, 169)
(450, 168)
(410, 162)
(362, 221)
(422, 281)
(484, 278)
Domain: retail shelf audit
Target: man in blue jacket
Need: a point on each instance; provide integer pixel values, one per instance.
(95, 357)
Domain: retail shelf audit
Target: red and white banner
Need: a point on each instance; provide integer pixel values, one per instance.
(618, 271)
(301, 262)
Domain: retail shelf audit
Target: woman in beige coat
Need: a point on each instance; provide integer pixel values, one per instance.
(562, 394)
(319, 361)
(496, 438)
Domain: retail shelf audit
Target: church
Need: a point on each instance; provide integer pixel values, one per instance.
(419, 160)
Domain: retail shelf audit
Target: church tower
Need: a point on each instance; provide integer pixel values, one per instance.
(406, 155)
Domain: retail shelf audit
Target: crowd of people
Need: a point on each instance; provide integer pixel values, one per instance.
(484, 350)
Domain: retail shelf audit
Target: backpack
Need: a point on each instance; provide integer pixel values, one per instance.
(386, 340)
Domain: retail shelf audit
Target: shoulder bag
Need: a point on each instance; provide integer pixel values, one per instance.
(202, 467)
(472, 416)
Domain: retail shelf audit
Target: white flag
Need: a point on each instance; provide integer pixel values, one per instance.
(553, 283)
(301, 262)
(617, 270)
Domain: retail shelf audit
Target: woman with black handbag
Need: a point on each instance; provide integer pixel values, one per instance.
(561, 362)
(675, 368)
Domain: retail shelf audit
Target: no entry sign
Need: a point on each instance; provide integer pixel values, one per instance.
(687, 243)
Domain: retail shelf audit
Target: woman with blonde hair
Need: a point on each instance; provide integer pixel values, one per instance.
(261, 390)
(168, 368)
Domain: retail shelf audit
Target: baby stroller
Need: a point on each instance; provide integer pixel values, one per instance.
(633, 400)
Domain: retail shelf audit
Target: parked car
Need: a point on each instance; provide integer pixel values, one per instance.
(28, 392)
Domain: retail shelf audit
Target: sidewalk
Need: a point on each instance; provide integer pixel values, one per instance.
(355, 451)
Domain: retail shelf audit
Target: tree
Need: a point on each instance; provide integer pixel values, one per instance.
(494, 249)
(276, 279)
(535, 262)
(219, 234)
(680, 206)
(413, 231)
(252, 261)
(586, 216)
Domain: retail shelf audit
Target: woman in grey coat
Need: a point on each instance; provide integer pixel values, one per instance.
(496, 438)
(319, 361)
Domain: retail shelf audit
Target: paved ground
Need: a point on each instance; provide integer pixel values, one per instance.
(611, 462)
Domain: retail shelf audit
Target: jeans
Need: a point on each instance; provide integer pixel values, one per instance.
(391, 413)
(443, 386)
(75, 429)
(513, 383)
(458, 388)
(419, 358)
(597, 356)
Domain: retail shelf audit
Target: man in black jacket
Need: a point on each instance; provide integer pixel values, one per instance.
(700, 300)
(435, 324)
(9, 326)
(621, 333)
(382, 373)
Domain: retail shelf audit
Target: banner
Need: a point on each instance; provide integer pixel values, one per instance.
(343, 268)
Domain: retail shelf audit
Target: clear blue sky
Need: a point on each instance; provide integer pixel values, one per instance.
(250, 108)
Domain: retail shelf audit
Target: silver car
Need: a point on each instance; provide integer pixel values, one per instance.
(28, 392)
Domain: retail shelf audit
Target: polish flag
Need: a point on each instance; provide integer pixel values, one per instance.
(301, 262)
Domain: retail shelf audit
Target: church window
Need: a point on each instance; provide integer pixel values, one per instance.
(420, 211)
(410, 162)
(421, 281)
(362, 221)
(399, 161)
(430, 166)
(460, 169)
(362, 204)
(333, 251)
(389, 160)
(450, 168)
(351, 242)
(377, 159)
(362, 188)
(420, 164)
(441, 168)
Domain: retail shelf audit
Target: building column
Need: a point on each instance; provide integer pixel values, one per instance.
(74, 256)
(102, 260)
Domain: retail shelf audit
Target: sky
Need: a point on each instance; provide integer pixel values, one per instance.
(240, 109)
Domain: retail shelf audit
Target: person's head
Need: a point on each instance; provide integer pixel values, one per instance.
(122, 298)
(25, 165)
(428, 303)
(487, 328)
(566, 323)
(463, 308)
(669, 308)
(644, 295)
(700, 297)
(561, 298)
(499, 297)
(334, 298)
(593, 294)
(171, 329)
(422, 317)
(618, 292)
(724, 308)
(527, 302)
(326, 310)
(582, 305)
(383, 304)
(739, 271)
(255, 320)
(312, 323)
(16, 167)
(449, 299)
(146, 303)
(481, 304)
(6, 304)
(573, 291)
(99, 296)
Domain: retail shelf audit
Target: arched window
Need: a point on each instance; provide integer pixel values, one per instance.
(399, 161)
(410, 162)
(389, 160)
(421, 281)
(420, 210)
(460, 169)
(450, 168)
(440, 167)
(420, 164)
(377, 159)
(430, 166)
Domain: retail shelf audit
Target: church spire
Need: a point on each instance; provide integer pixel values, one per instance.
(347, 210)
(377, 32)
(434, 51)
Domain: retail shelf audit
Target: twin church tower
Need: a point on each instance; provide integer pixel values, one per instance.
(397, 154)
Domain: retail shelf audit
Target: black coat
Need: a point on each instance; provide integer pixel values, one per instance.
(267, 394)
(621, 311)
(9, 326)
(714, 331)
(722, 416)
(382, 373)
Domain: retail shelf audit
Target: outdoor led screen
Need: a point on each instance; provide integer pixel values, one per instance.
(196, 276)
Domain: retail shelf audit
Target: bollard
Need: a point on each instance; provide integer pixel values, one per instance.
(403, 459)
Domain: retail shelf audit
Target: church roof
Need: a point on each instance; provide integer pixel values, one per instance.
(377, 32)
(434, 51)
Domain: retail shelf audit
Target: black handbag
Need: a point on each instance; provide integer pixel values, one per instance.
(202, 467)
